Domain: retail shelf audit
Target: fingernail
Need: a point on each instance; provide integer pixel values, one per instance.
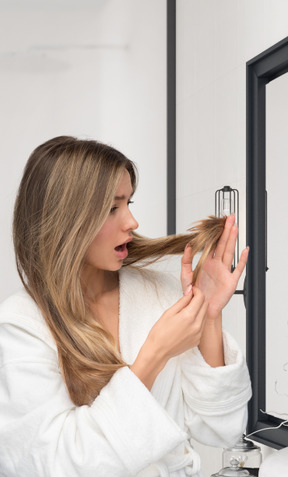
(188, 290)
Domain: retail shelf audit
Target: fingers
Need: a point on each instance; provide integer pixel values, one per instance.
(241, 264)
(229, 251)
(220, 249)
(180, 327)
(198, 302)
(186, 268)
(199, 307)
(196, 309)
(181, 303)
(193, 301)
(226, 246)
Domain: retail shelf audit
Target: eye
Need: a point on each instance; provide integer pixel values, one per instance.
(130, 202)
(113, 209)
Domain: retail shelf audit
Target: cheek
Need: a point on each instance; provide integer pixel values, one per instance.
(105, 233)
(102, 239)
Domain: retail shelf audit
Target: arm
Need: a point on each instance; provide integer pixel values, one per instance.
(171, 334)
(210, 398)
(218, 285)
(211, 343)
(179, 328)
(215, 399)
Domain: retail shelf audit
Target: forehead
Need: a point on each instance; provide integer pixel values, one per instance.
(124, 188)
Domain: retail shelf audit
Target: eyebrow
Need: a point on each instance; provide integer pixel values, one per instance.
(122, 197)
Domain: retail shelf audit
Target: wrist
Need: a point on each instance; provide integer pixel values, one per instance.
(211, 343)
(148, 365)
(214, 320)
(213, 315)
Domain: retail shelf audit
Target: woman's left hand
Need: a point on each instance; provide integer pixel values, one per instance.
(215, 279)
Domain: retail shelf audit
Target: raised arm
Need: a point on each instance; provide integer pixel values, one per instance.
(218, 285)
(179, 329)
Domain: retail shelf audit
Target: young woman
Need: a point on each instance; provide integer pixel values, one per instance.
(109, 368)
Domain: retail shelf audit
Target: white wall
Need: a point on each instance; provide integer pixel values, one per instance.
(90, 68)
(215, 39)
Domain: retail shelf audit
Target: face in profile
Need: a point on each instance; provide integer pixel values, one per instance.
(109, 247)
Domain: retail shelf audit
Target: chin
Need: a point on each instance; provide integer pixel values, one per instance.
(116, 267)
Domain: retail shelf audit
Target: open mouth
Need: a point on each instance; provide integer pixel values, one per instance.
(121, 251)
(120, 248)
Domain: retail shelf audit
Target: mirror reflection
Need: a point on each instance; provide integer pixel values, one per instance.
(277, 236)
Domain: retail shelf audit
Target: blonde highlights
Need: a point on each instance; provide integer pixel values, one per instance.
(64, 198)
(202, 237)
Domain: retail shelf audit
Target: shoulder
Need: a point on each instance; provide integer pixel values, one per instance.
(21, 310)
(18, 303)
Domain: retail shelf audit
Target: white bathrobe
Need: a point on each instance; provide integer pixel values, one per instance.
(127, 431)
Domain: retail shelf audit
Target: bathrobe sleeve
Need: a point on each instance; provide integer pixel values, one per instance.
(43, 433)
(215, 399)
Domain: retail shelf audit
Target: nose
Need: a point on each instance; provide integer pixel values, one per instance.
(130, 222)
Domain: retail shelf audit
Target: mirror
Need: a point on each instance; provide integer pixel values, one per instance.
(277, 219)
(267, 223)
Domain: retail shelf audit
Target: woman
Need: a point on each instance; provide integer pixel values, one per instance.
(109, 370)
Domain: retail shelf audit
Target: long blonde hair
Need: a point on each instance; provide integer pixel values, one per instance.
(64, 198)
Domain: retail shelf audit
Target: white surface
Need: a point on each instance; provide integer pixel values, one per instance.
(276, 465)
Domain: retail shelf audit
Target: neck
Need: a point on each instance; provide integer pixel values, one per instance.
(98, 283)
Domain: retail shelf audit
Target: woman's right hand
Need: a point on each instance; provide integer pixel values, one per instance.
(179, 329)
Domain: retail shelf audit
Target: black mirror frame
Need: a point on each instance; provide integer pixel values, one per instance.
(260, 70)
(171, 116)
